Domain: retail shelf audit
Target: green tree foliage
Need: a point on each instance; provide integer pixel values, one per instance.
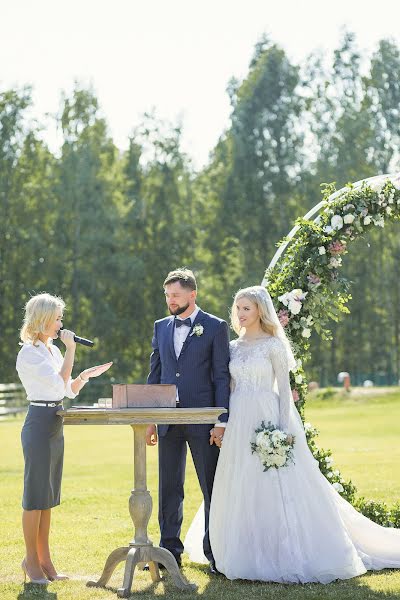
(102, 227)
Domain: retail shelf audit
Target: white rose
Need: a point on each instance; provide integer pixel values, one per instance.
(265, 444)
(348, 219)
(275, 436)
(328, 229)
(329, 460)
(367, 220)
(389, 210)
(337, 222)
(396, 182)
(284, 298)
(322, 250)
(377, 185)
(338, 487)
(259, 437)
(294, 306)
(280, 461)
(379, 222)
(298, 378)
(335, 262)
(329, 475)
(307, 426)
(306, 333)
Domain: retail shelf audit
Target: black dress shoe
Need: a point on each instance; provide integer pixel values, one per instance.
(213, 569)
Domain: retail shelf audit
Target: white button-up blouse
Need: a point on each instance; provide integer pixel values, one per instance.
(39, 372)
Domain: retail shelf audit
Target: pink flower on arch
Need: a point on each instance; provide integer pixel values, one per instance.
(283, 317)
(295, 395)
(336, 248)
(313, 279)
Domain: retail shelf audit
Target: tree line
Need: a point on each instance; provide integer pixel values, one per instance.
(102, 227)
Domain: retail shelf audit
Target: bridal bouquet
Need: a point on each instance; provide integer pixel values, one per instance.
(273, 446)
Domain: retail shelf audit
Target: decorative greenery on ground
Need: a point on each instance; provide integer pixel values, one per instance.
(309, 292)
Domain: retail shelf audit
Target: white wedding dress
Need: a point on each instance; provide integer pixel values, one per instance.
(287, 524)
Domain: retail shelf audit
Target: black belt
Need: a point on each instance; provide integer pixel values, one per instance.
(45, 403)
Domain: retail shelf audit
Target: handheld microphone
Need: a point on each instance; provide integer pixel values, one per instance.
(81, 340)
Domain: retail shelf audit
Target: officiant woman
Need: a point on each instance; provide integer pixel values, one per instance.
(46, 377)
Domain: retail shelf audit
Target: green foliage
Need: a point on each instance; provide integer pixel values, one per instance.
(376, 511)
(309, 293)
(102, 227)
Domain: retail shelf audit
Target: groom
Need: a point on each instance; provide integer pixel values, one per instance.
(191, 350)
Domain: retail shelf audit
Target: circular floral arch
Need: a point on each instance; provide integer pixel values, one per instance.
(304, 280)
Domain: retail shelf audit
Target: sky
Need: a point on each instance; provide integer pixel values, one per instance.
(172, 56)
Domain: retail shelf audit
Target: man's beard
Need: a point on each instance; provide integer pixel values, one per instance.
(179, 310)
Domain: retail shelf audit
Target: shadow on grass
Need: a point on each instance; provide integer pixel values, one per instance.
(220, 588)
(34, 591)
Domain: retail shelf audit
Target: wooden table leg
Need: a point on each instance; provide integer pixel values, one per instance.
(140, 508)
(141, 549)
(112, 561)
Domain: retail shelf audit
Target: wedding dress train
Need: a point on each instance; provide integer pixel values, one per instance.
(287, 524)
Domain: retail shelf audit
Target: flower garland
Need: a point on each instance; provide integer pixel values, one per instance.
(309, 291)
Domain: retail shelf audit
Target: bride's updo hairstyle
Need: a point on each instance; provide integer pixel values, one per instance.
(269, 321)
(40, 311)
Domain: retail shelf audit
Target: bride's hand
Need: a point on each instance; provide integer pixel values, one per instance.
(95, 371)
(216, 436)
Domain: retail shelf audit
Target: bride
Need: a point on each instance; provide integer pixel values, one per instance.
(287, 524)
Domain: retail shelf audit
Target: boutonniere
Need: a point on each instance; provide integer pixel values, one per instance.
(197, 330)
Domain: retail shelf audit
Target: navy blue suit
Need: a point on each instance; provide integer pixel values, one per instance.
(201, 374)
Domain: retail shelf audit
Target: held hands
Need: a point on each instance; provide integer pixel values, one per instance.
(151, 435)
(216, 436)
(95, 371)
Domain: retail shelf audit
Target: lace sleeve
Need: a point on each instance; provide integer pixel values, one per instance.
(280, 366)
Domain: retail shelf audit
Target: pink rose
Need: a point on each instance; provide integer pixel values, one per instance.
(313, 279)
(336, 248)
(295, 395)
(283, 317)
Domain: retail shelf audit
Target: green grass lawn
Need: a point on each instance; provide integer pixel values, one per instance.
(93, 519)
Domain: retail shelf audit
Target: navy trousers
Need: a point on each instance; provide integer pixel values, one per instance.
(172, 450)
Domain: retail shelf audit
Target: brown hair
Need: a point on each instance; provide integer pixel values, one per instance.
(185, 277)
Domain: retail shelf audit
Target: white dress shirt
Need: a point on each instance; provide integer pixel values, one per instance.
(180, 335)
(39, 372)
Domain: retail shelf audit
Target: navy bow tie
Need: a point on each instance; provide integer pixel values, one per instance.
(180, 322)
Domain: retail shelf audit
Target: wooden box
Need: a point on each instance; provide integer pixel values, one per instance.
(134, 395)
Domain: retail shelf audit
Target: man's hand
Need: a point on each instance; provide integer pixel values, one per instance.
(216, 436)
(151, 435)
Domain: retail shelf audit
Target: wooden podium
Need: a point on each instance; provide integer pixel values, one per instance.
(141, 549)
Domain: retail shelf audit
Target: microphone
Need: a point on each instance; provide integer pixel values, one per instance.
(81, 340)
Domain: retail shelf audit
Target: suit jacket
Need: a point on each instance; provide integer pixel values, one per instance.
(201, 372)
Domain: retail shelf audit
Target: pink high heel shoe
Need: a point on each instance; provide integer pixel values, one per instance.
(58, 577)
(41, 581)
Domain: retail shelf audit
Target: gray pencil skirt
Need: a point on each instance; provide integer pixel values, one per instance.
(43, 446)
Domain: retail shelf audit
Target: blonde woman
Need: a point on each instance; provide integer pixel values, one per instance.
(46, 377)
(287, 525)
